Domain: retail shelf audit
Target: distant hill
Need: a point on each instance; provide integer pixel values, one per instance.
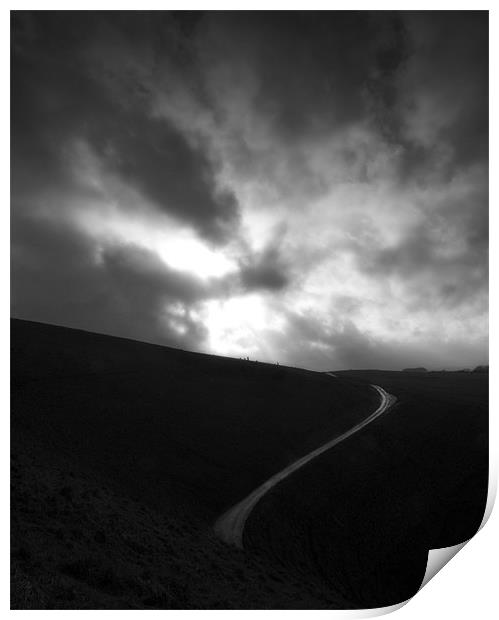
(418, 369)
(481, 369)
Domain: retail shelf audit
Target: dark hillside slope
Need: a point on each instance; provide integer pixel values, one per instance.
(171, 424)
(364, 515)
(78, 543)
(124, 453)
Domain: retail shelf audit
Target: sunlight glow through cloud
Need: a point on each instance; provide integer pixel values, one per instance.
(186, 253)
(177, 246)
(235, 324)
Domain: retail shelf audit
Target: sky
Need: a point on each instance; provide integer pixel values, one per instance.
(308, 188)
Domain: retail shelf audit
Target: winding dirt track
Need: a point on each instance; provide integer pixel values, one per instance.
(230, 526)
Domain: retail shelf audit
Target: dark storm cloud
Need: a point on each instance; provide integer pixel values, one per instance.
(312, 68)
(266, 273)
(265, 270)
(417, 79)
(438, 110)
(311, 76)
(59, 96)
(157, 160)
(278, 84)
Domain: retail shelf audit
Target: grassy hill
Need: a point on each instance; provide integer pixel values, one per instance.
(124, 453)
(365, 514)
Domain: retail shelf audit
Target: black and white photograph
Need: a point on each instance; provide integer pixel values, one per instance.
(249, 300)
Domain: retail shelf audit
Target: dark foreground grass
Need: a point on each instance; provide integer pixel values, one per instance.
(125, 453)
(364, 515)
(77, 543)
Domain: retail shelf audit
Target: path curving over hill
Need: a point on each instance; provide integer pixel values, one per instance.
(230, 526)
